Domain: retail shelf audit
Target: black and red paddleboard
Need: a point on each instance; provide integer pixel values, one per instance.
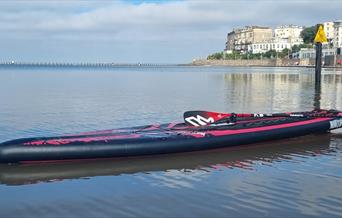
(168, 138)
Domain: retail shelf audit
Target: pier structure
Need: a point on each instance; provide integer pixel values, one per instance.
(80, 64)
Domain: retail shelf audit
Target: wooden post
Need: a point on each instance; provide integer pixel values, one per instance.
(319, 39)
(317, 96)
(318, 63)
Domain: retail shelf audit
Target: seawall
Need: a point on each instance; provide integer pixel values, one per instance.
(264, 62)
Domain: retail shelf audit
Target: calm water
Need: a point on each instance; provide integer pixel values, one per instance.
(296, 177)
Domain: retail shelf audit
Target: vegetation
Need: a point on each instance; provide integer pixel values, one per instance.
(216, 56)
(271, 54)
(296, 48)
(308, 34)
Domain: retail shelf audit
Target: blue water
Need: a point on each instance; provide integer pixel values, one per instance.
(286, 178)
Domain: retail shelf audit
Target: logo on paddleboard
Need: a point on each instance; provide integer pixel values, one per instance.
(199, 120)
(258, 115)
(334, 124)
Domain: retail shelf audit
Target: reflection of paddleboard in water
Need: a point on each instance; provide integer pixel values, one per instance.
(240, 157)
(201, 131)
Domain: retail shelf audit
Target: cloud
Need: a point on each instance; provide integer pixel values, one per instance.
(187, 23)
(147, 20)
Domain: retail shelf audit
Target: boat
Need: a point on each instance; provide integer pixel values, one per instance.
(217, 130)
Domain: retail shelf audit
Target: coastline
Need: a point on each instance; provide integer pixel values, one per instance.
(199, 63)
(306, 63)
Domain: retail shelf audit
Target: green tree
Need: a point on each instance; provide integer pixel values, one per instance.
(232, 56)
(216, 56)
(308, 34)
(270, 54)
(284, 53)
(295, 48)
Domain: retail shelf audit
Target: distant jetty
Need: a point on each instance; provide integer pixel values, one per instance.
(83, 64)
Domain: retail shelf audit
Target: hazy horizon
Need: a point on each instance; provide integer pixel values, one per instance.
(137, 31)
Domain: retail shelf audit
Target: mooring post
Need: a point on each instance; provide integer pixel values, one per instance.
(319, 39)
(317, 96)
(318, 63)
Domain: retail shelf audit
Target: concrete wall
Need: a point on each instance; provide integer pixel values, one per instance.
(264, 62)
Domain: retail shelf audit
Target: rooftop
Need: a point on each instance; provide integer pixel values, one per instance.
(289, 26)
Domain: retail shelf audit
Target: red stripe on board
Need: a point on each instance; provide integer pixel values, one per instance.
(257, 129)
(88, 139)
(152, 127)
(265, 128)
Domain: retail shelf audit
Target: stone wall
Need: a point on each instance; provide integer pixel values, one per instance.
(264, 62)
(235, 62)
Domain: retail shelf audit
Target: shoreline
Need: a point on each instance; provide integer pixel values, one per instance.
(303, 63)
(196, 63)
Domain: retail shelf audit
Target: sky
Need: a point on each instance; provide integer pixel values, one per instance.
(136, 31)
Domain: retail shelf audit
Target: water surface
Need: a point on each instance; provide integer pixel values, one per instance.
(285, 178)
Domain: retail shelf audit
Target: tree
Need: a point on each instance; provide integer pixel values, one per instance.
(232, 56)
(295, 48)
(308, 34)
(216, 56)
(271, 54)
(284, 53)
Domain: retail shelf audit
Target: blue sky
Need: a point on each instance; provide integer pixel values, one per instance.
(140, 31)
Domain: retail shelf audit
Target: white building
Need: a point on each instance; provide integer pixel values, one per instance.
(291, 32)
(337, 40)
(311, 53)
(329, 29)
(285, 36)
(274, 44)
(240, 39)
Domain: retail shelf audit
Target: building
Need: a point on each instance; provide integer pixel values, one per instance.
(240, 39)
(258, 39)
(290, 32)
(329, 30)
(276, 44)
(285, 36)
(337, 40)
(263, 39)
(230, 41)
(306, 53)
